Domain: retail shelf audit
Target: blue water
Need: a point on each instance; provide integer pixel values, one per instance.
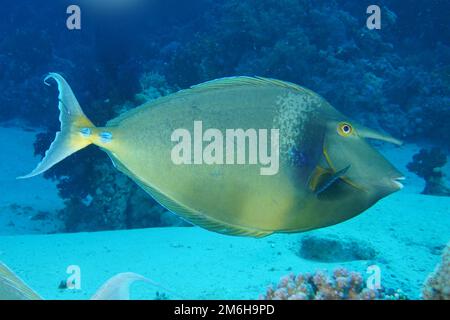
(389, 72)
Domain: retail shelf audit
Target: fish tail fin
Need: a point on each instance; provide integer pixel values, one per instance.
(75, 131)
(118, 287)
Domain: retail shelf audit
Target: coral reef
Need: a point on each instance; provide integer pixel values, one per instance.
(391, 78)
(330, 248)
(428, 164)
(341, 285)
(437, 285)
(153, 85)
(325, 46)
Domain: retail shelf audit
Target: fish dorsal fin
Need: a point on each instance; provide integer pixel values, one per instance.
(192, 215)
(243, 81)
(13, 288)
(216, 84)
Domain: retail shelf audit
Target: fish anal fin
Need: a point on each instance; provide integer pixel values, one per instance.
(191, 215)
(201, 219)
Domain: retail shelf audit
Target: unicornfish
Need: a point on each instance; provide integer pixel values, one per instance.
(244, 156)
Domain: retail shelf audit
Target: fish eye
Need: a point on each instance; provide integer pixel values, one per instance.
(344, 129)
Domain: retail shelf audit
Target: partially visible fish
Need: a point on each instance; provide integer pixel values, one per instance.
(13, 288)
(116, 288)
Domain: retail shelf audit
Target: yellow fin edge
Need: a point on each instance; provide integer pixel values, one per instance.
(191, 215)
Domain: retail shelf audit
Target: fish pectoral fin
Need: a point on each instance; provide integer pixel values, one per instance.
(318, 177)
(324, 179)
(342, 177)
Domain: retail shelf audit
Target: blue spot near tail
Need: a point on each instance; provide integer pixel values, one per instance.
(86, 132)
(105, 136)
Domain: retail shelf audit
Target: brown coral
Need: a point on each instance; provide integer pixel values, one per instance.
(437, 285)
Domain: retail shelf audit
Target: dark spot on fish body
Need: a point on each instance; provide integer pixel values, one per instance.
(297, 157)
(333, 177)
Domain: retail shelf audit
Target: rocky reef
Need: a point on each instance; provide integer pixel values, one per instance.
(390, 78)
(428, 165)
(330, 248)
(340, 285)
(325, 46)
(437, 285)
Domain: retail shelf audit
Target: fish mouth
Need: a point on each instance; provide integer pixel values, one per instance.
(397, 182)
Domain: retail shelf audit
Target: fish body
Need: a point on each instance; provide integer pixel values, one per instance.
(307, 189)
